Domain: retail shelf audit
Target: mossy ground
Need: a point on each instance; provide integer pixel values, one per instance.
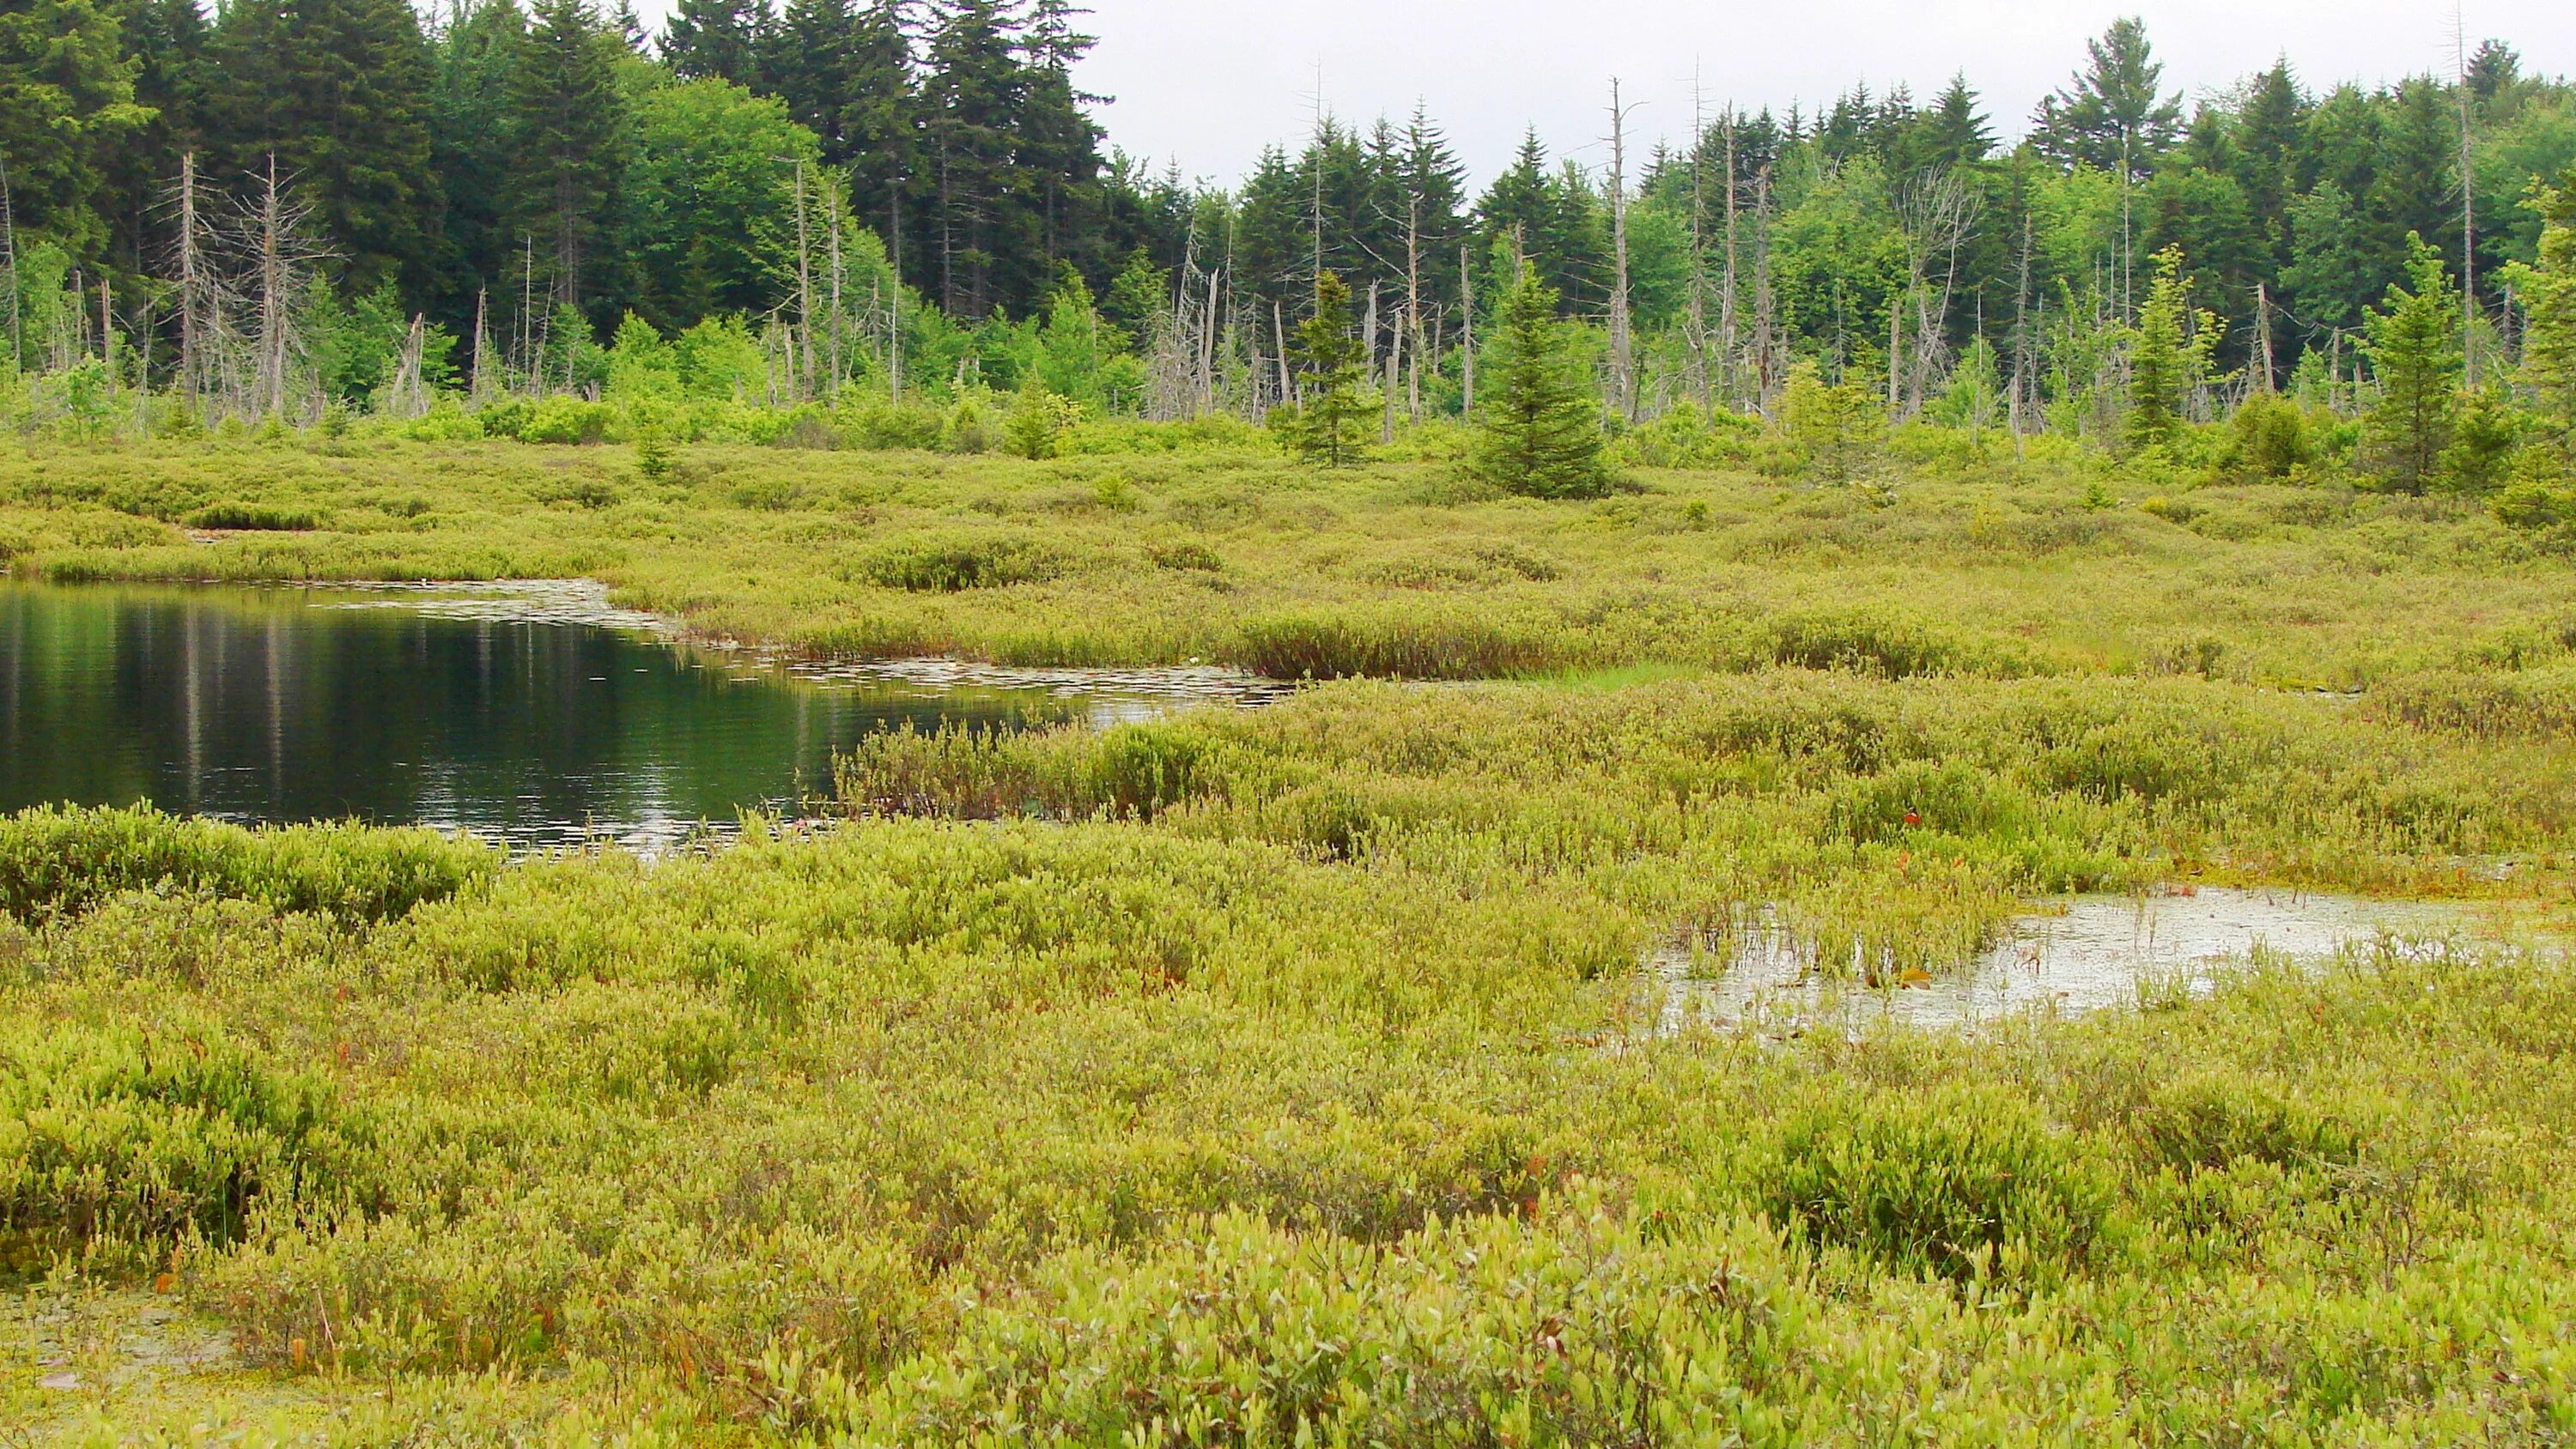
(1286, 1076)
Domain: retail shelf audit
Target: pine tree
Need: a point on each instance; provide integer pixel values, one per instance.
(167, 41)
(1952, 134)
(1538, 422)
(2548, 294)
(2168, 355)
(812, 65)
(66, 100)
(478, 60)
(2414, 351)
(2113, 114)
(880, 124)
(340, 92)
(719, 39)
(568, 130)
(982, 235)
(1330, 418)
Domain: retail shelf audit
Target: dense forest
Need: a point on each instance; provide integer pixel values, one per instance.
(297, 203)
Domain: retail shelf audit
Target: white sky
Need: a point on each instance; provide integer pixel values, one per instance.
(1207, 83)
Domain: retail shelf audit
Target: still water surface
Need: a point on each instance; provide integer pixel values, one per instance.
(529, 713)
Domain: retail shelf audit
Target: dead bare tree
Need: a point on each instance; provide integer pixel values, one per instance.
(1936, 214)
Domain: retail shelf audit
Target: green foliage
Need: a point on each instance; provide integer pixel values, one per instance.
(1538, 422)
(2268, 439)
(1967, 1184)
(1838, 425)
(255, 517)
(2414, 354)
(1038, 421)
(66, 861)
(2168, 354)
(2547, 288)
(953, 563)
(1327, 421)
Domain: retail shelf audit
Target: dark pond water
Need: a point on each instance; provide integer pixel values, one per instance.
(531, 714)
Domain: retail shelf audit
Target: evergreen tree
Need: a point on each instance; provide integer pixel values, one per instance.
(1838, 424)
(1951, 134)
(880, 122)
(2268, 141)
(166, 40)
(2414, 350)
(980, 226)
(812, 65)
(477, 64)
(1538, 422)
(1059, 144)
(719, 39)
(2547, 290)
(66, 101)
(340, 92)
(2113, 114)
(2167, 354)
(568, 132)
(2329, 272)
(1331, 417)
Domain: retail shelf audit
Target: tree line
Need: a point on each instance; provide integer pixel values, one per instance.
(914, 193)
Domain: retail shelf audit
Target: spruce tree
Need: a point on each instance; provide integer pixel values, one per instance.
(341, 93)
(2114, 113)
(717, 39)
(2168, 355)
(1330, 417)
(568, 129)
(66, 99)
(2548, 294)
(1538, 422)
(2414, 350)
(880, 124)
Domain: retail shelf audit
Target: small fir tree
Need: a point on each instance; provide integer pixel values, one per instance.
(2168, 356)
(2414, 351)
(1839, 425)
(1538, 423)
(1329, 420)
(2548, 294)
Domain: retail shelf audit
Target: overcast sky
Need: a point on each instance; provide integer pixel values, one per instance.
(1208, 84)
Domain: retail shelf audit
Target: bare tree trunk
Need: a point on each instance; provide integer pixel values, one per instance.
(1623, 391)
(1765, 305)
(2021, 339)
(191, 286)
(1726, 339)
(2468, 211)
(2263, 332)
(272, 297)
(9, 262)
(1467, 334)
(803, 343)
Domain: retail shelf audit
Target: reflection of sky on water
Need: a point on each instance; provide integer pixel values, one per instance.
(532, 714)
(2077, 956)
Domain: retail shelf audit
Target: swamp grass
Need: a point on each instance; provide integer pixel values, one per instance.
(1990, 568)
(1287, 1076)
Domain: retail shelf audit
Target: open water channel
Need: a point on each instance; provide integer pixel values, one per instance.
(533, 714)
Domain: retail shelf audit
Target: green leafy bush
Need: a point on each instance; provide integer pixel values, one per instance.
(1964, 1182)
(948, 564)
(267, 517)
(56, 860)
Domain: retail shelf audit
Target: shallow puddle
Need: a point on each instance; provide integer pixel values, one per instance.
(2072, 957)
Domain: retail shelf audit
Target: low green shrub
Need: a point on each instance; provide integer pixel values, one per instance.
(1969, 1183)
(954, 563)
(60, 860)
(261, 517)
